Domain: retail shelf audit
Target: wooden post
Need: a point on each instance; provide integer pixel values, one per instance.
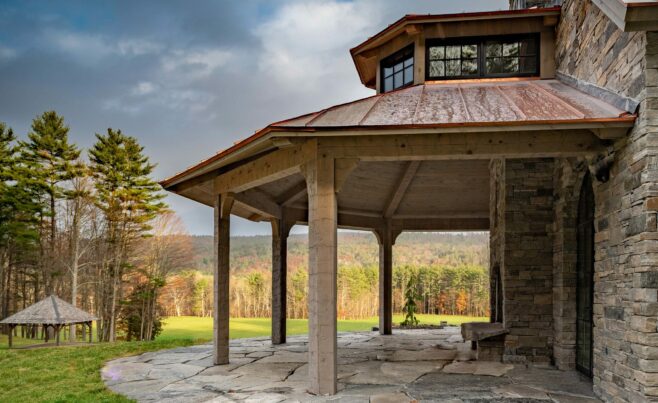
(10, 335)
(57, 329)
(385, 279)
(90, 333)
(223, 205)
(322, 221)
(280, 230)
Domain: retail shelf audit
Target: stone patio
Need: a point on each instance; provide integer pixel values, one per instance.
(423, 365)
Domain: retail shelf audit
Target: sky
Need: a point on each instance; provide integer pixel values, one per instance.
(188, 78)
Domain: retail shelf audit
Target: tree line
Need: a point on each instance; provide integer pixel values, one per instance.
(447, 290)
(92, 229)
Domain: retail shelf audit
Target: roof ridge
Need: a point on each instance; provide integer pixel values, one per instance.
(55, 308)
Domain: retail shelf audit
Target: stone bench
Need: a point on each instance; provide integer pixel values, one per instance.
(487, 338)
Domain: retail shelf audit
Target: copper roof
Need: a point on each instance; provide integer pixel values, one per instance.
(464, 104)
(450, 104)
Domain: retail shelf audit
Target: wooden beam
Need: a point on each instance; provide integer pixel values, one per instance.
(344, 168)
(292, 194)
(401, 188)
(268, 168)
(259, 202)
(442, 224)
(280, 231)
(443, 146)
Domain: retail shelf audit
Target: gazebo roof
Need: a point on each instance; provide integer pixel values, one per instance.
(472, 105)
(49, 311)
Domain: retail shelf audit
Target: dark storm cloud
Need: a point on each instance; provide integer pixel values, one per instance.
(187, 77)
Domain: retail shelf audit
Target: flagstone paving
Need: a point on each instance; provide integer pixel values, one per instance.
(410, 365)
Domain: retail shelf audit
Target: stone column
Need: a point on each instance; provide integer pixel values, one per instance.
(385, 239)
(280, 230)
(322, 221)
(223, 205)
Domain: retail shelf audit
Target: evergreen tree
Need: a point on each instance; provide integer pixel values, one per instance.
(53, 160)
(129, 200)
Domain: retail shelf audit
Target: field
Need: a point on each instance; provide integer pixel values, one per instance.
(201, 328)
(73, 373)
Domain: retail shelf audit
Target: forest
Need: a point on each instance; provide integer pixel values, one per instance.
(449, 273)
(93, 228)
(89, 227)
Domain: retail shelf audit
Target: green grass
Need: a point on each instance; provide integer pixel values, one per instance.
(72, 374)
(201, 328)
(66, 374)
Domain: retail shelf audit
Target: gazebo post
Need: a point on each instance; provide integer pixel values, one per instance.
(10, 335)
(322, 241)
(57, 329)
(90, 333)
(280, 230)
(223, 205)
(386, 241)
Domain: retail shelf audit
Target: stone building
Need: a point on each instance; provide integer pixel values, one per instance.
(537, 124)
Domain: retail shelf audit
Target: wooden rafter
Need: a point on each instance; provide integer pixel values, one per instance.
(401, 188)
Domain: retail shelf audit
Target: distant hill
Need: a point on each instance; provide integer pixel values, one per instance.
(354, 249)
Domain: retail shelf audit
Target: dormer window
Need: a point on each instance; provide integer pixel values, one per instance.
(485, 57)
(397, 70)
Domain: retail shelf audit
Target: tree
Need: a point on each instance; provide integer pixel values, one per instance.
(129, 200)
(53, 159)
(409, 309)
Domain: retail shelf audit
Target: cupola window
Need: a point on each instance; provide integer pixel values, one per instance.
(463, 58)
(398, 70)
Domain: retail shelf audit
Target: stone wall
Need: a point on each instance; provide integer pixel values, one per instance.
(528, 259)
(568, 177)
(590, 48)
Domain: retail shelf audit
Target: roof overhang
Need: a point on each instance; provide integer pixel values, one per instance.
(639, 15)
(364, 53)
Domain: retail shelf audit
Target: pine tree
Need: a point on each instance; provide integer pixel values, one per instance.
(129, 200)
(53, 160)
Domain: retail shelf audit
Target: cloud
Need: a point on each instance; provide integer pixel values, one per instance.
(301, 41)
(6, 53)
(196, 63)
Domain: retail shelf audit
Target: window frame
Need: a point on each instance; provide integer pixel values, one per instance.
(480, 42)
(391, 60)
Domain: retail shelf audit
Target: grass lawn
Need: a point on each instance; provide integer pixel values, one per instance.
(72, 374)
(201, 328)
(65, 374)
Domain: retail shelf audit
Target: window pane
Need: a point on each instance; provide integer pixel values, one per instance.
(437, 69)
(398, 80)
(511, 49)
(510, 65)
(453, 52)
(469, 51)
(453, 68)
(494, 65)
(494, 49)
(469, 67)
(437, 52)
(528, 47)
(388, 84)
(528, 64)
(409, 75)
(397, 67)
(388, 71)
(409, 62)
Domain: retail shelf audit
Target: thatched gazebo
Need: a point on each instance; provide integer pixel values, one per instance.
(51, 311)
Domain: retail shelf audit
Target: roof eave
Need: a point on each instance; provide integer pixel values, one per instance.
(631, 16)
(243, 149)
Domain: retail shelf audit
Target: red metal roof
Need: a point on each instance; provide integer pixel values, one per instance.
(484, 103)
(464, 103)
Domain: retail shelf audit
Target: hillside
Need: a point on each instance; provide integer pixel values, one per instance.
(354, 249)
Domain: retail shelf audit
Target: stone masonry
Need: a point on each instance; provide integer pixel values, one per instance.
(591, 49)
(521, 243)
